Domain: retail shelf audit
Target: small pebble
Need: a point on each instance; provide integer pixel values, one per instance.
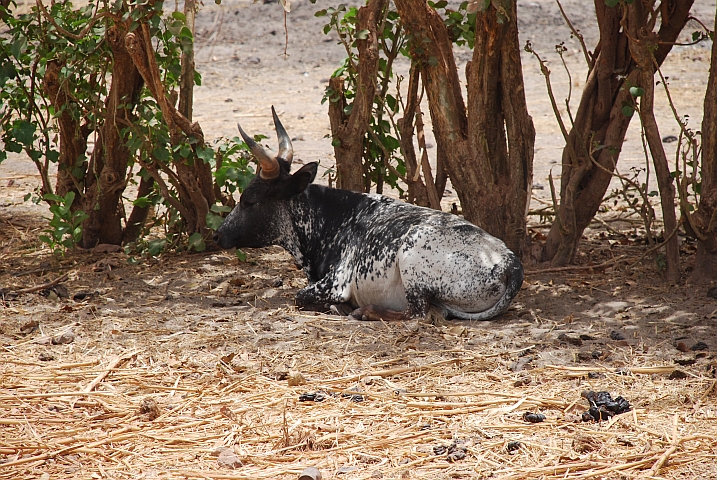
(65, 338)
(310, 473)
(228, 459)
(295, 378)
(46, 357)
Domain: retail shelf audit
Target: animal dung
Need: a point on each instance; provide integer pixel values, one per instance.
(312, 397)
(454, 452)
(512, 446)
(533, 417)
(603, 406)
(149, 407)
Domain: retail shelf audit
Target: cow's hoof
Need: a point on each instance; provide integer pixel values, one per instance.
(341, 309)
(359, 314)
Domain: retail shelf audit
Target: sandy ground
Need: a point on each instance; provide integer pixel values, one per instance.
(177, 322)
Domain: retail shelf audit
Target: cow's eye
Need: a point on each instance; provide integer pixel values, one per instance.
(248, 204)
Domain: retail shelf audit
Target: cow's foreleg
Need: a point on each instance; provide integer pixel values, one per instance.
(320, 296)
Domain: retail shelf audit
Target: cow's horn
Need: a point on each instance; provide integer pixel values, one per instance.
(286, 151)
(269, 165)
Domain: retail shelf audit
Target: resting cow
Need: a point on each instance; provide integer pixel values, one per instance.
(384, 258)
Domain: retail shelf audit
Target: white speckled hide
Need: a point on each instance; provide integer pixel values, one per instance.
(369, 250)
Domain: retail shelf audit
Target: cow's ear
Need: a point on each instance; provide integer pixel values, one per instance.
(302, 178)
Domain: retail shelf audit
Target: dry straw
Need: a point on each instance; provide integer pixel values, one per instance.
(87, 415)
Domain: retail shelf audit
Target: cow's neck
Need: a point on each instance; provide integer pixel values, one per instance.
(320, 216)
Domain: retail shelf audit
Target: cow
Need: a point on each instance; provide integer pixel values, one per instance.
(370, 255)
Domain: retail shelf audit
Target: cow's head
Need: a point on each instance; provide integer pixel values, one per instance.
(261, 216)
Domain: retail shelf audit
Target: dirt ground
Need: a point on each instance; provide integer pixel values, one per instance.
(199, 366)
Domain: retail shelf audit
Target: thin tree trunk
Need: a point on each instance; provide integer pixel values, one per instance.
(432, 53)
(186, 78)
(490, 166)
(348, 132)
(665, 181)
(73, 138)
(705, 219)
(642, 42)
(417, 192)
(105, 179)
(136, 219)
(502, 140)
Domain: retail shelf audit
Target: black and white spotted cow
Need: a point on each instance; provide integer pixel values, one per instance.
(384, 258)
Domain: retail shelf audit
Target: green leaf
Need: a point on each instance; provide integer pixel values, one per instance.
(179, 16)
(240, 255)
(69, 198)
(336, 142)
(205, 153)
(627, 110)
(53, 198)
(197, 242)
(213, 221)
(175, 28)
(185, 33)
(7, 72)
(391, 102)
(185, 150)
(155, 247)
(637, 91)
(13, 147)
(142, 202)
(611, 3)
(362, 35)
(220, 208)
(18, 47)
(24, 132)
(53, 155)
(161, 154)
(433, 61)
